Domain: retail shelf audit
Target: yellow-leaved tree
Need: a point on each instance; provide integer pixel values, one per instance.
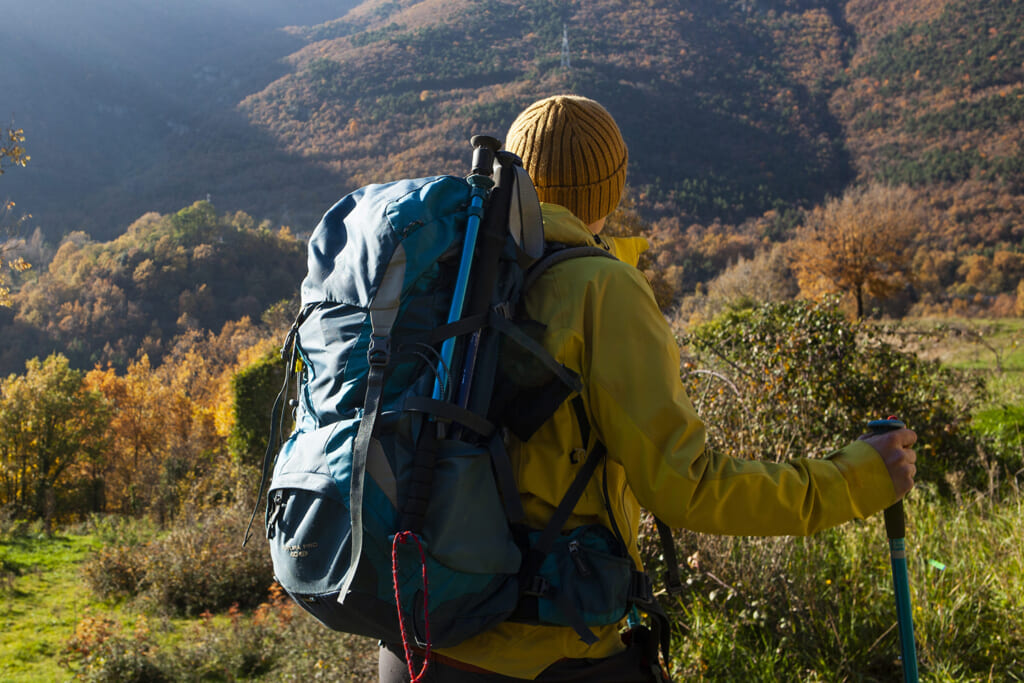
(12, 153)
(53, 441)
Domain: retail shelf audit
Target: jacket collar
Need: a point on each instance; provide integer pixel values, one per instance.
(562, 226)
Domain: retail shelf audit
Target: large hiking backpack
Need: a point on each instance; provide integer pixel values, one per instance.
(392, 511)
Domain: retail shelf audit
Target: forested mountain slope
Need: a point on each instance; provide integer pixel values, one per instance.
(934, 98)
(166, 276)
(130, 107)
(723, 104)
(740, 115)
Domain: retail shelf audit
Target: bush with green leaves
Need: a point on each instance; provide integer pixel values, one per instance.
(798, 379)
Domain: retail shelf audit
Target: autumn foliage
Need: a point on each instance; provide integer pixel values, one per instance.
(859, 245)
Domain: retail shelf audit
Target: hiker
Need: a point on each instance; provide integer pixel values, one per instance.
(603, 323)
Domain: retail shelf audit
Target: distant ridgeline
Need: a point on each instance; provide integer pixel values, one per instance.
(170, 275)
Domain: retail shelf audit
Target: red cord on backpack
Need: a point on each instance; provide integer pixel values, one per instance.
(403, 537)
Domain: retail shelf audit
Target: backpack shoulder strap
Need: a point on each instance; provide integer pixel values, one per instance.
(557, 253)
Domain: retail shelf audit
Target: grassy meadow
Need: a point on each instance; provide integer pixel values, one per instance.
(91, 602)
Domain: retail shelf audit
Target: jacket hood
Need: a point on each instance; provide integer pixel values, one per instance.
(560, 225)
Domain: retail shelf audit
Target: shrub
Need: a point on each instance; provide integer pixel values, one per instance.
(794, 379)
(115, 571)
(101, 652)
(201, 565)
(118, 568)
(276, 641)
(198, 565)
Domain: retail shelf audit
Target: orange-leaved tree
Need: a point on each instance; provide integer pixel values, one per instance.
(142, 407)
(858, 245)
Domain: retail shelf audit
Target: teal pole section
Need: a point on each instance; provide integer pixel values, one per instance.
(896, 530)
(480, 183)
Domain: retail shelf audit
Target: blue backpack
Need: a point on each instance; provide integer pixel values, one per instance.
(392, 510)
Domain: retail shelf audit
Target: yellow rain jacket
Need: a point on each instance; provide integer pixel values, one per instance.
(603, 323)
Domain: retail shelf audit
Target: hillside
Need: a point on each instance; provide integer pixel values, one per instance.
(724, 118)
(167, 276)
(130, 107)
(731, 108)
(740, 115)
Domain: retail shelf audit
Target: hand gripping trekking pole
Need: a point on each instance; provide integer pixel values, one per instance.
(480, 182)
(895, 529)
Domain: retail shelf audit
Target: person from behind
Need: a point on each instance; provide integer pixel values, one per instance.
(602, 322)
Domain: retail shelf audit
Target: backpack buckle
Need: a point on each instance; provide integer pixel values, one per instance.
(379, 353)
(504, 309)
(538, 587)
(641, 589)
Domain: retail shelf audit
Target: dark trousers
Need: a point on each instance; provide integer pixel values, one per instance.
(634, 665)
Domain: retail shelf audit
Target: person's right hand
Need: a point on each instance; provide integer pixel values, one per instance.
(896, 449)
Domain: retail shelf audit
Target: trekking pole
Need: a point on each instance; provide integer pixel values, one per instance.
(494, 229)
(480, 183)
(895, 529)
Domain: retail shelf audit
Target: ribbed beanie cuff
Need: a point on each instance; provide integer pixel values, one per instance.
(574, 152)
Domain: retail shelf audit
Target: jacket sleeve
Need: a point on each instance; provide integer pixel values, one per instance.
(644, 417)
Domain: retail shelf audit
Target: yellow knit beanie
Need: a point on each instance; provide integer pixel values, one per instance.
(574, 153)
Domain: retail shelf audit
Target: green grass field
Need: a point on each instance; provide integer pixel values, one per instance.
(816, 609)
(993, 347)
(46, 603)
(43, 600)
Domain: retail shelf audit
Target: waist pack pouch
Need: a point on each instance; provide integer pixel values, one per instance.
(586, 570)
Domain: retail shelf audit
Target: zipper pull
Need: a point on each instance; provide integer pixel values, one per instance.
(274, 515)
(577, 558)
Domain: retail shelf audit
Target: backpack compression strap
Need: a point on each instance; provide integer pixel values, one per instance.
(383, 313)
(289, 356)
(532, 585)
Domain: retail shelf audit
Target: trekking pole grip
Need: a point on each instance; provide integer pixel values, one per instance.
(484, 150)
(895, 520)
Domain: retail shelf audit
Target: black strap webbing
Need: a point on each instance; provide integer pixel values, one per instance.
(661, 627)
(506, 480)
(561, 515)
(442, 332)
(360, 448)
(421, 480)
(535, 556)
(557, 256)
(673, 582)
(450, 412)
(513, 332)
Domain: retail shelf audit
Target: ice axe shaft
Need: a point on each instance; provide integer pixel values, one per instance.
(895, 529)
